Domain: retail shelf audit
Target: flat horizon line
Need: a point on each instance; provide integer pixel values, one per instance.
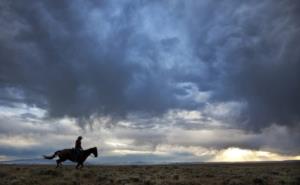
(32, 161)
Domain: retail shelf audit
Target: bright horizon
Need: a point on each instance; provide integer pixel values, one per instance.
(151, 81)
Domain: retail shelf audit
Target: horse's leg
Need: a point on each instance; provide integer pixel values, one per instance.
(81, 165)
(58, 162)
(77, 166)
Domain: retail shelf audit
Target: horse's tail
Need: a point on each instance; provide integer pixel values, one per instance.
(52, 156)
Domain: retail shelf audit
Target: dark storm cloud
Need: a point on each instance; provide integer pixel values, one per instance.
(268, 69)
(53, 60)
(78, 59)
(252, 50)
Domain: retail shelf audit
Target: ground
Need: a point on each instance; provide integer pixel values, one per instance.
(287, 173)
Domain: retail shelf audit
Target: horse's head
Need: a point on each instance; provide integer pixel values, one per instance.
(95, 151)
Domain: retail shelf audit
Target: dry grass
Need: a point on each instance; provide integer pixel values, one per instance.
(205, 174)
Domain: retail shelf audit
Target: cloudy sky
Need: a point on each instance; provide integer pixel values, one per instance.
(152, 81)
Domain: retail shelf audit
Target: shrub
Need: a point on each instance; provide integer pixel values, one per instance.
(48, 172)
(259, 181)
(176, 177)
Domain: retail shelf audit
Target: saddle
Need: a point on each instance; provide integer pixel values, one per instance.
(76, 153)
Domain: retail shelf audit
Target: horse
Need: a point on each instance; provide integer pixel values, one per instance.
(69, 154)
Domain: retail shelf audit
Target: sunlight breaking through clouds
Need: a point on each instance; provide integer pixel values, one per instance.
(244, 155)
(169, 141)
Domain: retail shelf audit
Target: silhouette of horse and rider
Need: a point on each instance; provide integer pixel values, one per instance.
(76, 154)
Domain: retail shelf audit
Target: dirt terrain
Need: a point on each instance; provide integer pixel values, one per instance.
(281, 173)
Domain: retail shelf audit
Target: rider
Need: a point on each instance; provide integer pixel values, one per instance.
(78, 147)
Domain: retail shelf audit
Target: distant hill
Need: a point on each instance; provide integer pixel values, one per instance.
(42, 161)
(28, 161)
(52, 162)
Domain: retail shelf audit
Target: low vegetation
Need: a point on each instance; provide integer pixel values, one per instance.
(184, 174)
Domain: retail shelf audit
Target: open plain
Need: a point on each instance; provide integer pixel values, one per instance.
(269, 173)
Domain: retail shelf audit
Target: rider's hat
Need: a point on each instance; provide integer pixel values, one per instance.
(79, 137)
